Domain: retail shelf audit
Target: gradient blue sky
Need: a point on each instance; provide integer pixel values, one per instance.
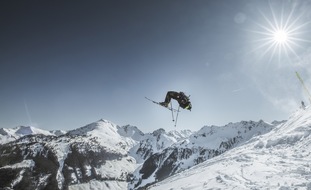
(65, 64)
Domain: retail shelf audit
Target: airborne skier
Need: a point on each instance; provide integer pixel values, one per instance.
(182, 99)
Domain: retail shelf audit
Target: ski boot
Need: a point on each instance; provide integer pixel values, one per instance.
(164, 104)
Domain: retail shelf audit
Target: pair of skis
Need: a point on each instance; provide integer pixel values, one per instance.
(174, 119)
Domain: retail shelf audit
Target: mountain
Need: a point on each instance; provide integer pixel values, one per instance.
(279, 159)
(103, 155)
(100, 155)
(8, 135)
(156, 141)
(94, 152)
(200, 146)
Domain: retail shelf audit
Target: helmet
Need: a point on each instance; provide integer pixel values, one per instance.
(189, 106)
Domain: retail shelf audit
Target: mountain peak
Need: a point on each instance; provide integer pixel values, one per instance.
(158, 132)
(131, 131)
(3, 131)
(30, 130)
(24, 130)
(104, 121)
(99, 125)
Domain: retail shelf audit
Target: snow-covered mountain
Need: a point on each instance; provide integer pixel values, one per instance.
(39, 161)
(155, 142)
(94, 156)
(279, 159)
(207, 143)
(103, 155)
(7, 134)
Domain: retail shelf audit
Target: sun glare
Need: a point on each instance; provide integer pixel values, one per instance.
(280, 32)
(280, 36)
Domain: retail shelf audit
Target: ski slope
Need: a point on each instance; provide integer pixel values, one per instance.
(279, 159)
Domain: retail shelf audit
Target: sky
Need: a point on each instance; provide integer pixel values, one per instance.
(65, 64)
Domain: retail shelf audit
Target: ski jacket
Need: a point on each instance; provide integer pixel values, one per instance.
(184, 101)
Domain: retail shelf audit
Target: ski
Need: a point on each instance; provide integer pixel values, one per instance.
(158, 103)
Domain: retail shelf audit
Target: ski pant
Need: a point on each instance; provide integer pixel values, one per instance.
(170, 95)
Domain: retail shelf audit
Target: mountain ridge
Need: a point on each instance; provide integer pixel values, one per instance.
(208, 142)
(105, 155)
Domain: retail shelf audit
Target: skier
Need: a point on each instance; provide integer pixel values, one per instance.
(181, 98)
(303, 106)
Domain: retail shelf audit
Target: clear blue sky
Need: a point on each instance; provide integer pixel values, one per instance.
(65, 64)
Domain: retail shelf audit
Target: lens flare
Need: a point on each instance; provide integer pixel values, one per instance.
(281, 32)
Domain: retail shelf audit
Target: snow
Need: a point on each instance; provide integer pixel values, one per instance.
(23, 164)
(18, 179)
(116, 168)
(179, 135)
(8, 135)
(98, 185)
(74, 178)
(131, 131)
(217, 134)
(88, 169)
(154, 142)
(268, 156)
(58, 132)
(107, 134)
(279, 159)
(61, 150)
(43, 180)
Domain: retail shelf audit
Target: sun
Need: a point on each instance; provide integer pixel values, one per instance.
(280, 36)
(280, 32)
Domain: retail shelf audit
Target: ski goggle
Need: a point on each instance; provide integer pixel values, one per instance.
(188, 107)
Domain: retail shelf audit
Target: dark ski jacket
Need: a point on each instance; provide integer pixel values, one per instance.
(181, 98)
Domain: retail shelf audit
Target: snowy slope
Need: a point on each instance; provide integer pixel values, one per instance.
(279, 159)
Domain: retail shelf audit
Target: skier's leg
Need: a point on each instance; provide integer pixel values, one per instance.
(170, 95)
